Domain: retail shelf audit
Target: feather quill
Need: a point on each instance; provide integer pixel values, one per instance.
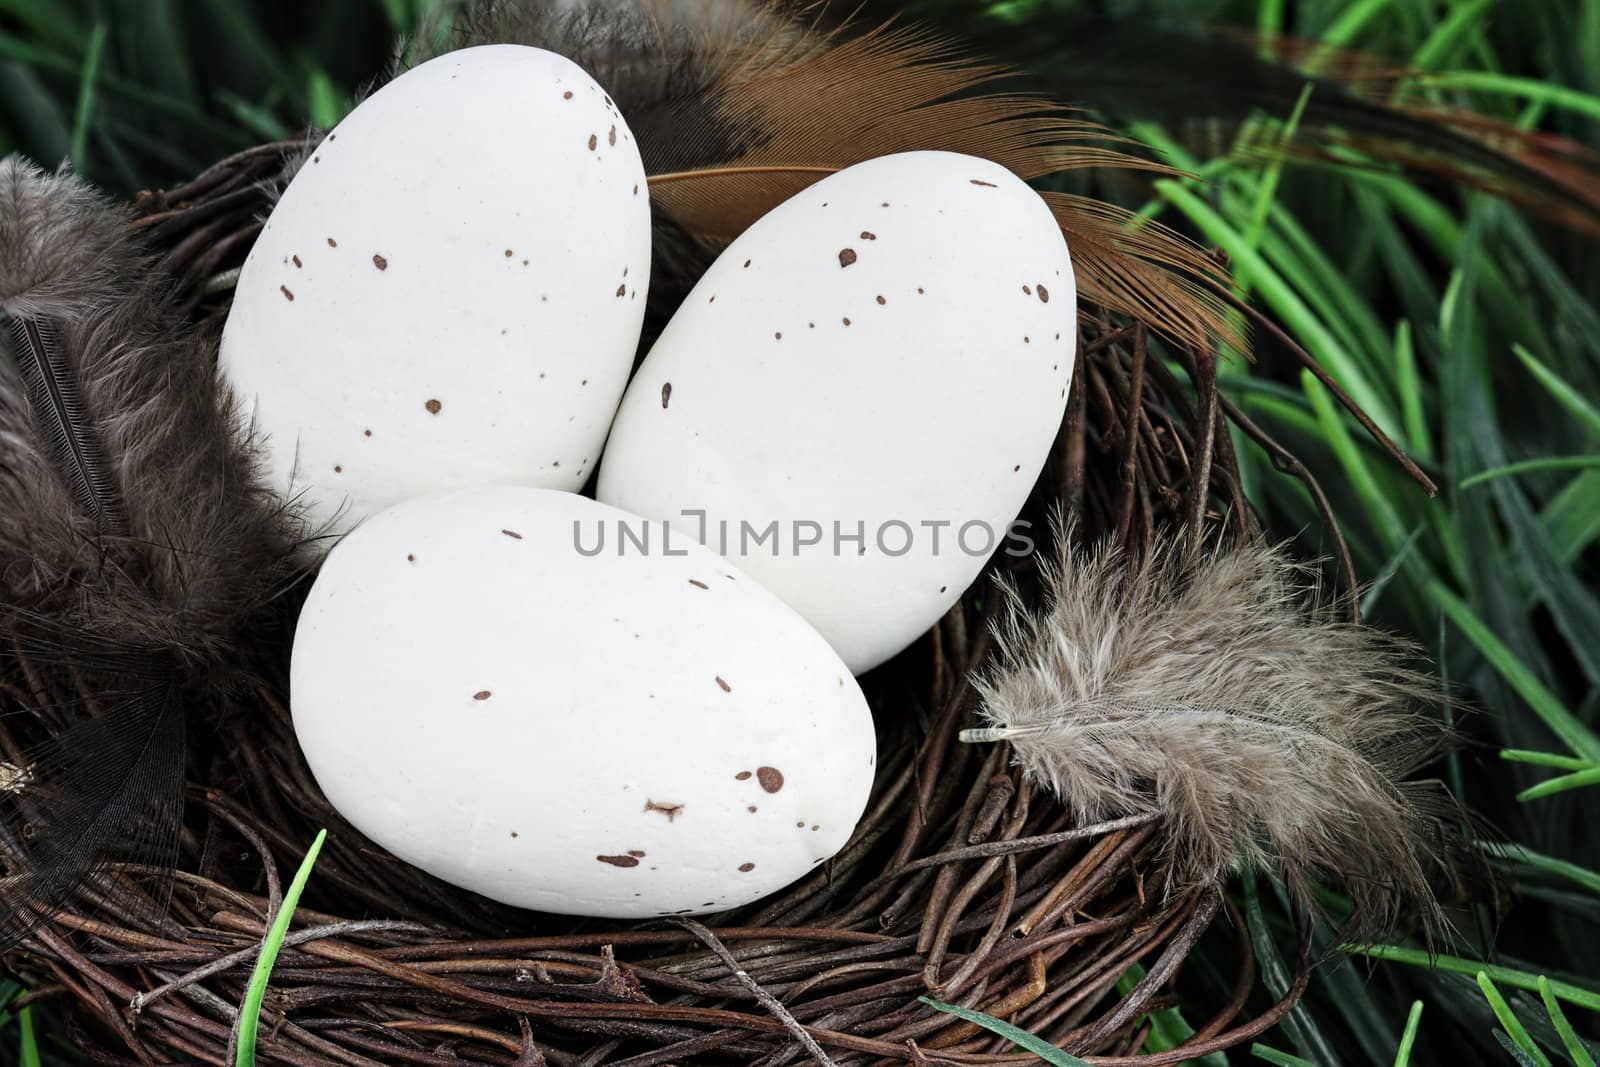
(139, 554)
(1216, 690)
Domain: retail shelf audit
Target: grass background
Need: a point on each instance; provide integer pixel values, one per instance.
(1469, 328)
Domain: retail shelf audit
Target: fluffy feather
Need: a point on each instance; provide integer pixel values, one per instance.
(1217, 690)
(737, 106)
(137, 547)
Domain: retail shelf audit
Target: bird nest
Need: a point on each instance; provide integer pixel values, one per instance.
(963, 882)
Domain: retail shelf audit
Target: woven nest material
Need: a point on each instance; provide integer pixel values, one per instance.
(962, 882)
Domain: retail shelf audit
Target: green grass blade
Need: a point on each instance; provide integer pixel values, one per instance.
(1351, 21)
(1448, 35)
(1551, 94)
(1418, 440)
(1282, 1059)
(27, 1040)
(1508, 1019)
(1305, 326)
(1408, 1039)
(326, 109)
(1571, 994)
(1577, 405)
(1545, 759)
(1561, 785)
(1563, 723)
(84, 113)
(1016, 1035)
(1376, 502)
(1583, 876)
(1298, 1024)
(1267, 187)
(1569, 1039)
(1572, 517)
(1375, 588)
(250, 1011)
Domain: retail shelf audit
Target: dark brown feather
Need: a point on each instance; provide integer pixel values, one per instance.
(737, 107)
(139, 553)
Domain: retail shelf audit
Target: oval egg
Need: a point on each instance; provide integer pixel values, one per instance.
(563, 707)
(856, 399)
(449, 292)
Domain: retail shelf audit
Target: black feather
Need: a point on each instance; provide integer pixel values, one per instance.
(76, 451)
(141, 560)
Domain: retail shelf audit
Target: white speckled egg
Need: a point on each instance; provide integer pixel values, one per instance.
(548, 701)
(856, 399)
(450, 291)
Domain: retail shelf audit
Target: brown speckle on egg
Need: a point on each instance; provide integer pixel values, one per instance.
(846, 320)
(433, 407)
(332, 243)
(636, 853)
(410, 558)
(515, 834)
(666, 393)
(671, 811)
(747, 867)
(594, 142)
(611, 138)
(980, 181)
(747, 263)
(1016, 468)
(777, 335)
(771, 778)
(619, 861)
(881, 300)
(1028, 289)
(482, 694)
(338, 469)
(723, 685)
(1044, 294)
(799, 826)
(567, 95)
(622, 290)
(815, 828)
(509, 253)
(742, 776)
(919, 290)
(512, 534)
(847, 256)
(868, 235)
(698, 584)
(751, 809)
(379, 262)
(366, 433)
(297, 261)
(287, 295)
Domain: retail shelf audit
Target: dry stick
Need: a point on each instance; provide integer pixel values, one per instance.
(1162, 970)
(1243, 986)
(1200, 472)
(1395, 451)
(767, 1000)
(1130, 436)
(1289, 463)
(250, 952)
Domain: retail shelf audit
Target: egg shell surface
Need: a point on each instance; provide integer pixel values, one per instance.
(623, 733)
(450, 291)
(879, 366)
